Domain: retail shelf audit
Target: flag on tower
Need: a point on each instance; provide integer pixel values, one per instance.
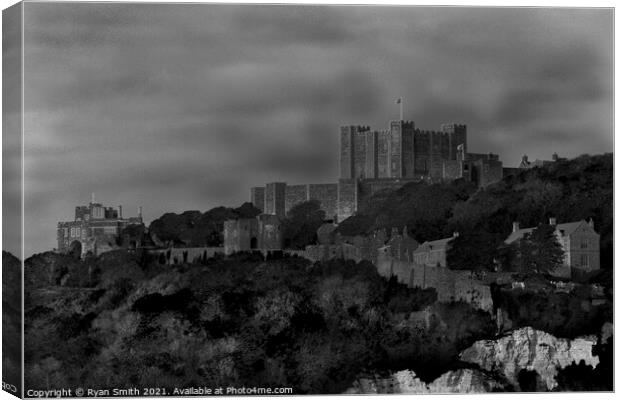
(399, 100)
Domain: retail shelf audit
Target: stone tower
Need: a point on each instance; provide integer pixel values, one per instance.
(275, 199)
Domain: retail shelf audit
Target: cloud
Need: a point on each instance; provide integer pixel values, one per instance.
(186, 106)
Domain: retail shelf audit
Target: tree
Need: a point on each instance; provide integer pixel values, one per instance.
(473, 250)
(539, 251)
(301, 224)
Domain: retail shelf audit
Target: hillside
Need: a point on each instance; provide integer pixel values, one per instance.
(569, 190)
(11, 320)
(245, 322)
(424, 208)
(242, 321)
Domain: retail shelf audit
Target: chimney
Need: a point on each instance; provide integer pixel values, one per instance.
(140, 212)
(405, 233)
(591, 223)
(555, 157)
(552, 221)
(120, 212)
(515, 226)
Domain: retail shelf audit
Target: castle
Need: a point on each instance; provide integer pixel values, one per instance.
(372, 160)
(96, 229)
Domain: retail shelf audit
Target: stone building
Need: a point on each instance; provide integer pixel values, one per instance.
(400, 152)
(433, 253)
(401, 246)
(579, 241)
(526, 164)
(371, 161)
(277, 198)
(96, 229)
(262, 233)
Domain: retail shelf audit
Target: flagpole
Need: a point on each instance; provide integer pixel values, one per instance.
(401, 108)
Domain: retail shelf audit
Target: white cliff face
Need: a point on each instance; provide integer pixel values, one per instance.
(459, 381)
(532, 350)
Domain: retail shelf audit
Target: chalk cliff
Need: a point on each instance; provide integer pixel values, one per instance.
(406, 381)
(530, 350)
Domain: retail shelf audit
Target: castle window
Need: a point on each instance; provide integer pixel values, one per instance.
(78, 232)
(72, 232)
(585, 260)
(584, 244)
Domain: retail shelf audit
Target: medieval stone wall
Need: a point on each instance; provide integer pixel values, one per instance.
(347, 199)
(260, 233)
(324, 252)
(452, 169)
(257, 197)
(240, 235)
(275, 199)
(295, 194)
(450, 285)
(383, 154)
(269, 232)
(327, 195)
(384, 159)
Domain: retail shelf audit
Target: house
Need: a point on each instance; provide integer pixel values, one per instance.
(97, 229)
(579, 241)
(433, 253)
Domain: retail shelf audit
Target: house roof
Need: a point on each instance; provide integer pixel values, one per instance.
(433, 245)
(566, 229)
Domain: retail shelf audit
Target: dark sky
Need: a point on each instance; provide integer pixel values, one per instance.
(185, 107)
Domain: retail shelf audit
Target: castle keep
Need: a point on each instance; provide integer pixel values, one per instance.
(372, 160)
(400, 152)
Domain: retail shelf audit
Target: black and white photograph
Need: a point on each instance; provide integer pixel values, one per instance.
(206, 199)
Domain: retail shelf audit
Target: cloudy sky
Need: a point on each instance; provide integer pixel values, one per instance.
(185, 107)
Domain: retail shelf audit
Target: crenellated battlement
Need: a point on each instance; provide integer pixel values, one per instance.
(375, 158)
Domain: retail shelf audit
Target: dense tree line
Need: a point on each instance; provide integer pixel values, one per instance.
(240, 321)
(569, 190)
(196, 229)
(424, 208)
(299, 228)
(11, 321)
(561, 314)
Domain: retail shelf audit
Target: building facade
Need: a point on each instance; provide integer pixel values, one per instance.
(262, 233)
(579, 241)
(95, 229)
(400, 152)
(433, 253)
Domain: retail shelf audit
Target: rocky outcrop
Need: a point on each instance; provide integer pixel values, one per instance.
(406, 381)
(531, 350)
